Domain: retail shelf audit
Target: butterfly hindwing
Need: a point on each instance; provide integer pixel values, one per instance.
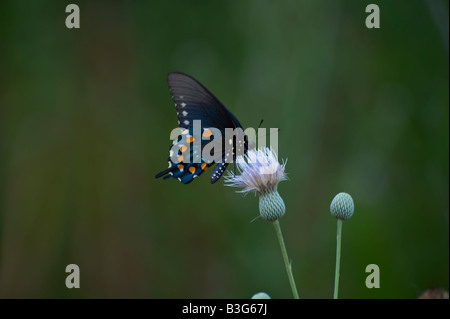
(185, 160)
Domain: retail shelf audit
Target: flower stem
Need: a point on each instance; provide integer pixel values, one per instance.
(276, 223)
(338, 258)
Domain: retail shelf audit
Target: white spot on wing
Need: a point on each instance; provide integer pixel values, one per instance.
(185, 113)
(186, 122)
(183, 104)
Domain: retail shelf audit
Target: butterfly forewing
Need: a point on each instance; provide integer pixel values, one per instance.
(194, 102)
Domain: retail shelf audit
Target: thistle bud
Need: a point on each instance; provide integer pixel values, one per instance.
(342, 206)
(271, 206)
(261, 295)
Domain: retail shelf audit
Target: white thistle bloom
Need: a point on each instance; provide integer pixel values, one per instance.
(260, 172)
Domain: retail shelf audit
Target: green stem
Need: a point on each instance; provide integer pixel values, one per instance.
(276, 223)
(338, 258)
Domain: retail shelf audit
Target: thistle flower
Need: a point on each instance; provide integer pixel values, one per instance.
(260, 172)
(342, 208)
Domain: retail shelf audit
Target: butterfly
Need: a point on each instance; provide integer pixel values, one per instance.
(194, 102)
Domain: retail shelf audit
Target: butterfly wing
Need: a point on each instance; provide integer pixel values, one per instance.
(194, 102)
(185, 161)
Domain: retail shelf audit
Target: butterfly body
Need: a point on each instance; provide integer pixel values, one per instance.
(195, 104)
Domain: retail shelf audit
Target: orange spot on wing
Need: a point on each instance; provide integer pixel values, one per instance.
(204, 166)
(180, 158)
(190, 139)
(183, 148)
(207, 133)
(192, 169)
(181, 167)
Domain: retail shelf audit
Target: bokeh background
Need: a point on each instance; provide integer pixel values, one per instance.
(85, 117)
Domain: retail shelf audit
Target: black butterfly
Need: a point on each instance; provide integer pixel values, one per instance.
(194, 102)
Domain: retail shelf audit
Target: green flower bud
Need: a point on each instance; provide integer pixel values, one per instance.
(342, 206)
(271, 206)
(261, 295)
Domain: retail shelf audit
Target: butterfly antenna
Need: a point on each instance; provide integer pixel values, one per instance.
(267, 134)
(260, 123)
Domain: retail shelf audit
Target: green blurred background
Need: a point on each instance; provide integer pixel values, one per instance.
(85, 117)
